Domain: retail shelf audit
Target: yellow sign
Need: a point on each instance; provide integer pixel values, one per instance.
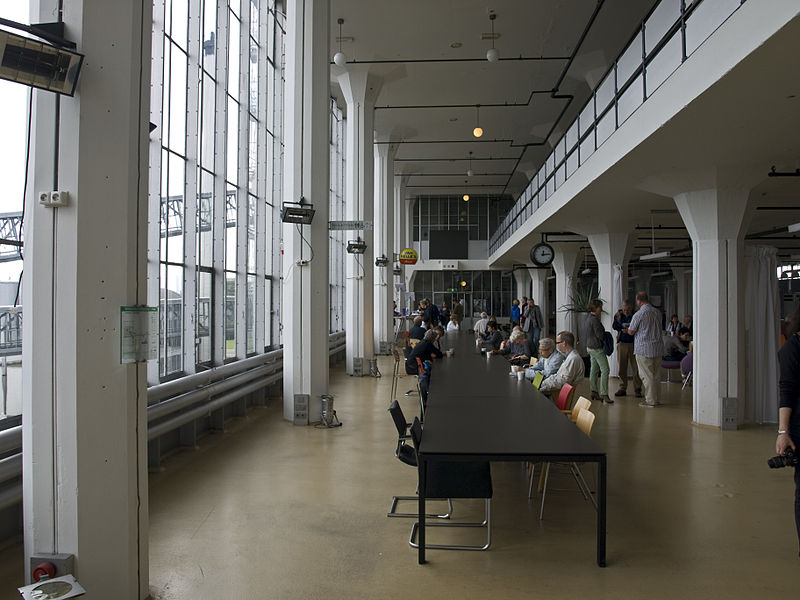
(408, 256)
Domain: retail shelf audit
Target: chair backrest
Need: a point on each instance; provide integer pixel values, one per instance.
(398, 418)
(537, 379)
(582, 403)
(686, 363)
(585, 421)
(420, 366)
(565, 396)
(416, 433)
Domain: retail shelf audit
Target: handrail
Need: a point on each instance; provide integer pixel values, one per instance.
(10, 439)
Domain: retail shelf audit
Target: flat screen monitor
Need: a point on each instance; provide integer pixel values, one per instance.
(448, 244)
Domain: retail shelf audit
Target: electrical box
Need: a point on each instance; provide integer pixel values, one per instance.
(54, 199)
(449, 265)
(301, 409)
(730, 414)
(63, 563)
(358, 367)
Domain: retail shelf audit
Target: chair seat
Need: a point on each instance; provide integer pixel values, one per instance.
(459, 480)
(670, 364)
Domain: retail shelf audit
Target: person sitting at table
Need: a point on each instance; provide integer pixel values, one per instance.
(417, 332)
(424, 350)
(493, 337)
(480, 325)
(516, 348)
(453, 324)
(571, 370)
(549, 360)
(676, 347)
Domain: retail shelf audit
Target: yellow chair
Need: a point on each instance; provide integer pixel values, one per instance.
(581, 403)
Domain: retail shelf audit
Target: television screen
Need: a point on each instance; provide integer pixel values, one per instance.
(448, 244)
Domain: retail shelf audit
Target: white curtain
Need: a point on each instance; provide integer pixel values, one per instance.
(761, 335)
(617, 297)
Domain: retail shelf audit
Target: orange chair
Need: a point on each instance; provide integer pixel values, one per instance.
(565, 397)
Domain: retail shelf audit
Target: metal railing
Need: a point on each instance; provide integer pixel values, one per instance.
(667, 37)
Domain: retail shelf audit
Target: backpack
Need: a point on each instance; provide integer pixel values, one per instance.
(608, 343)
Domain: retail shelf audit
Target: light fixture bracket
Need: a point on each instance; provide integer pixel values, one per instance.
(299, 213)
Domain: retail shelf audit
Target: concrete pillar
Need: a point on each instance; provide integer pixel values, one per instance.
(682, 300)
(523, 282)
(564, 264)
(538, 279)
(714, 219)
(610, 250)
(359, 90)
(304, 301)
(84, 423)
(384, 237)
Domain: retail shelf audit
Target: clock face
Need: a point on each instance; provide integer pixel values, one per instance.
(542, 254)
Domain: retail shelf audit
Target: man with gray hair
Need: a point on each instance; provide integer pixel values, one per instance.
(549, 361)
(571, 370)
(480, 325)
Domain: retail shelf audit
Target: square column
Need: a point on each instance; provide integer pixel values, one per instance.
(539, 294)
(564, 264)
(360, 90)
(523, 282)
(384, 238)
(85, 488)
(305, 309)
(714, 219)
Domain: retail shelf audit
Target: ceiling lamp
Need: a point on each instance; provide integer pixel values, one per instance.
(477, 132)
(465, 197)
(492, 54)
(470, 173)
(339, 58)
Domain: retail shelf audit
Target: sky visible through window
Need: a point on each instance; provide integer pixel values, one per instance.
(14, 108)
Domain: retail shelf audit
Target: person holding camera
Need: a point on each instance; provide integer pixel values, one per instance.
(788, 439)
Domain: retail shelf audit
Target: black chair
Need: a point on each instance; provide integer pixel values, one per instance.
(407, 455)
(455, 480)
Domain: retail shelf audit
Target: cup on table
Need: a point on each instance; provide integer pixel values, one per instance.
(520, 375)
(450, 352)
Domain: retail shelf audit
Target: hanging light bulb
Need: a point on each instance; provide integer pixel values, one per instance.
(465, 197)
(339, 58)
(477, 132)
(470, 173)
(491, 54)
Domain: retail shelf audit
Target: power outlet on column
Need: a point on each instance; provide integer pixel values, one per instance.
(54, 199)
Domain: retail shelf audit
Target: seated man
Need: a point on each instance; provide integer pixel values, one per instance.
(549, 361)
(676, 347)
(417, 332)
(480, 325)
(453, 325)
(571, 370)
(493, 337)
(516, 349)
(424, 350)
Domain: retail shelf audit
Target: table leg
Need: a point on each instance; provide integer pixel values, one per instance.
(423, 467)
(601, 513)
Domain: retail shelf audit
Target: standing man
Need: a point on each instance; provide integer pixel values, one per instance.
(622, 321)
(648, 347)
(458, 311)
(523, 312)
(533, 322)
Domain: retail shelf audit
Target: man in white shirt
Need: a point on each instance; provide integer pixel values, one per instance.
(571, 370)
(648, 346)
(480, 325)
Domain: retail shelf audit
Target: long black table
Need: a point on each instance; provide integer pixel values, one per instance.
(476, 411)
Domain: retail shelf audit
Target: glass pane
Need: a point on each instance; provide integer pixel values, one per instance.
(629, 61)
(587, 147)
(204, 323)
(605, 127)
(205, 218)
(207, 110)
(663, 17)
(234, 45)
(174, 320)
(230, 230)
(664, 63)
(708, 15)
(251, 314)
(252, 156)
(630, 100)
(209, 35)
(253, 77)
(180, 22)
(232, 142)
(587, 116)
(572, 136)
(267, 314)
(230, 315)
(605, 92)
(251, 234)
(177, 102)
(175, 209)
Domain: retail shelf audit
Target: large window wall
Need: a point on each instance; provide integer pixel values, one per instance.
(480, 215)
(216, 158)
(478, 291)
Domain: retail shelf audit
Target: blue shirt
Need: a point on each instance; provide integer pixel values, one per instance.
(619, 325)
(548, 366)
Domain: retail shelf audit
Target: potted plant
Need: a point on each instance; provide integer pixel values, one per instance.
(578, 306)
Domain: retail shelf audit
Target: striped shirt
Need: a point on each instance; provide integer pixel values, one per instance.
(646, 327)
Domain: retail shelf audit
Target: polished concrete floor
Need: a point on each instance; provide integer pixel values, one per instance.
(270, 510)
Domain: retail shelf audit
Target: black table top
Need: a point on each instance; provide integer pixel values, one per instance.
(476, 409)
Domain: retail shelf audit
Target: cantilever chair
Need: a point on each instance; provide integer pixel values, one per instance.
(565, 397)
(407, 455)
(455, 480)
(584, 423)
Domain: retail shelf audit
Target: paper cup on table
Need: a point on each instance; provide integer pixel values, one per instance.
(520, 375)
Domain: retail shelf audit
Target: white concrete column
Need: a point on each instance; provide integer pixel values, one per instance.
(523, 282)
(714, 219)
(682, 301)
(384, 237)
(359, 90)
(609, 248)
(538, 279)
(304, 301)
(84, 425)
(565, 263)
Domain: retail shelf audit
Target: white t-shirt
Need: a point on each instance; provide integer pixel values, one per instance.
(452, 326)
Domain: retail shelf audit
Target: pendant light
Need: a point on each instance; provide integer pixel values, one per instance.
(491, 54)
(477, 132)
(465, 197)
(470, 173)
(339, 58)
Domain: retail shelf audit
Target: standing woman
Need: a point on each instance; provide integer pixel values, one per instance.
(514, 312)
(599, 360)
(789, 404)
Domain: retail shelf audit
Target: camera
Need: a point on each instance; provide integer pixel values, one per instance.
(790, 459)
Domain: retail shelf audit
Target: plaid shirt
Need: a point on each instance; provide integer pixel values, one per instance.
(646, 325)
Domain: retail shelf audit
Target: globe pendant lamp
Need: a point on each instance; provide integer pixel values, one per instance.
(477, 132)
(491, 54)
(339, 58)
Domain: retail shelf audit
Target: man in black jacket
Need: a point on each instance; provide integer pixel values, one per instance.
(424, 351)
